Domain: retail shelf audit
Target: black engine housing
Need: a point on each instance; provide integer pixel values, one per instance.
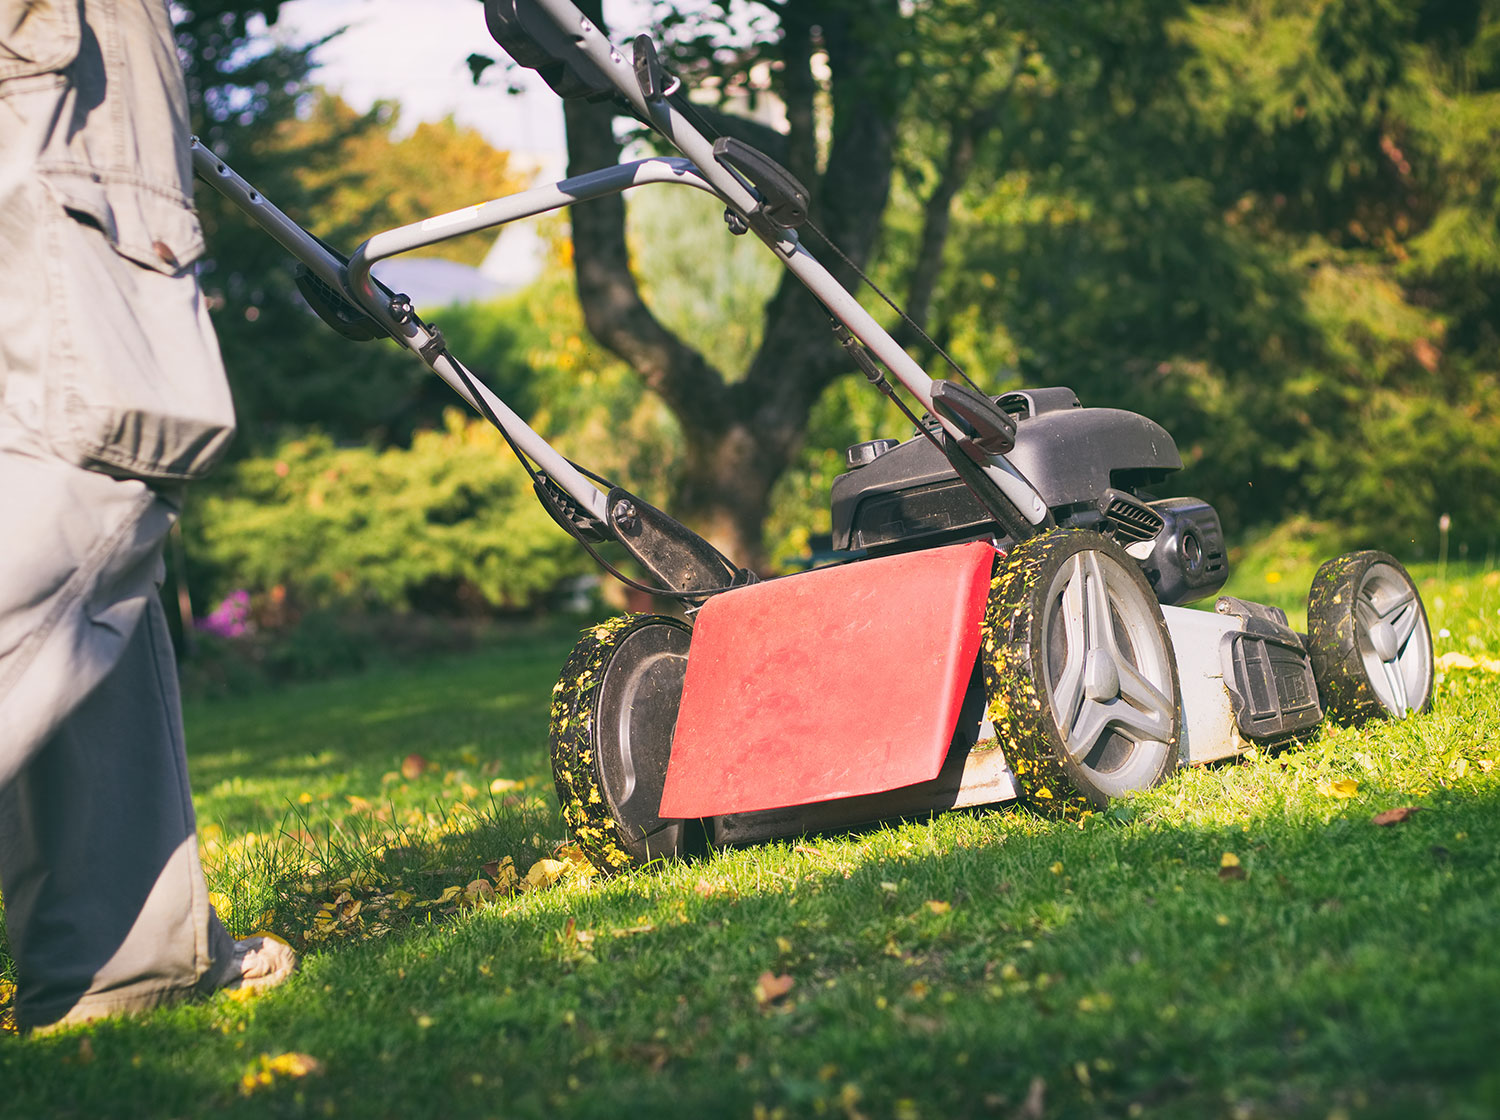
(1090, 465)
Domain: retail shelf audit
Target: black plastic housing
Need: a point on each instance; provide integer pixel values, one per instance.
(527, 33)
(910, 496)
(1188, 561)
(1268, 674)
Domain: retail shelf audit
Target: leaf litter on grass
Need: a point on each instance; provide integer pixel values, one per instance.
(372, 870)
(370, 906)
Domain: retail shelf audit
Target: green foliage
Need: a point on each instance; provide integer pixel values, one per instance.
(703, 284)
(378, 181)
(589, 403)
(1270, 226)
(344, 176)
(449, 523)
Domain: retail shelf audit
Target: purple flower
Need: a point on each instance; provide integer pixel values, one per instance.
(230, 619)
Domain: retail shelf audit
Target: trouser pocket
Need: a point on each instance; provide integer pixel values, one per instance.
(134, 382)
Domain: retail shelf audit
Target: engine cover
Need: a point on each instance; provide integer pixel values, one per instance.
(1072, 455)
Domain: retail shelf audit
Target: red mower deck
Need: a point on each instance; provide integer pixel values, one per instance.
(840, 682)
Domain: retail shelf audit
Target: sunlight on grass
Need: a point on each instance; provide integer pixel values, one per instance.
(1296, 933)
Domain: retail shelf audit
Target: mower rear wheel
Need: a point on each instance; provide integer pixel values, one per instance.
(613, 714)
(1080, 673)
(1368, 639)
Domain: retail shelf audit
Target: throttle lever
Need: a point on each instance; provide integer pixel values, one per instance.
(784, 200)
(989, 427)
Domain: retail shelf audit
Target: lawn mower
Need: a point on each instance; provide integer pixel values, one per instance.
(1008, 620)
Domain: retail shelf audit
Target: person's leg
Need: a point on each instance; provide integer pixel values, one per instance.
(76, 573)
(105, 903)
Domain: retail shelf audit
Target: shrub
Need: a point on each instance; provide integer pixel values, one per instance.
(451, 520)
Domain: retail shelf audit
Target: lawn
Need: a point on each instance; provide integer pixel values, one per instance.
(1244, 941)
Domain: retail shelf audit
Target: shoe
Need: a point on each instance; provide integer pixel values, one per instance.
(260, 962)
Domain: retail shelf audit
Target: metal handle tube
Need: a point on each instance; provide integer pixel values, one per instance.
(412, 334)
(497, 212)
(288, 234)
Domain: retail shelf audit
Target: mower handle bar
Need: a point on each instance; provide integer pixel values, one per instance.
(700, 169)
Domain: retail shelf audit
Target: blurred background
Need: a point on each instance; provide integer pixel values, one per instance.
(1274, 227)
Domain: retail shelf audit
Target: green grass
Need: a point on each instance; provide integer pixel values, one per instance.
(978, 964)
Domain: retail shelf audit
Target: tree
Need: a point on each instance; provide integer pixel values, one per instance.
(1272, 226)
(740, 434)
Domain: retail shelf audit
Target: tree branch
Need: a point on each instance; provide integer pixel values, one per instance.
(965, 129)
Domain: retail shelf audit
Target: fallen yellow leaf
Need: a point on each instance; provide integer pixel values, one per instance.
(543, 873)
(1343, 788)
(939, 907)
(448, 895)
(503, 871)
(264, 1072)
(480, 890)
(1229, 859)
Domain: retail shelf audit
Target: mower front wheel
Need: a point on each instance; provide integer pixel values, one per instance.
(1368, 639)
(1080, 673)
(614, 711)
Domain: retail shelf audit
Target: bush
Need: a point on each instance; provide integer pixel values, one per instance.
(450, 523)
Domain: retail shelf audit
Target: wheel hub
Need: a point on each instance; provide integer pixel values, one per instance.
(1101, 676)
(1383, 640)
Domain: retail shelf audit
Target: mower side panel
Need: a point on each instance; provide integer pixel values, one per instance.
(835, 683)
(1209, 732)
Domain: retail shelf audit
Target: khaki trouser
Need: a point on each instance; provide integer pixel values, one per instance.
(111, 394)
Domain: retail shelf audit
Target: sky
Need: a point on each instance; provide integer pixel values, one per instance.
(389, 52)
